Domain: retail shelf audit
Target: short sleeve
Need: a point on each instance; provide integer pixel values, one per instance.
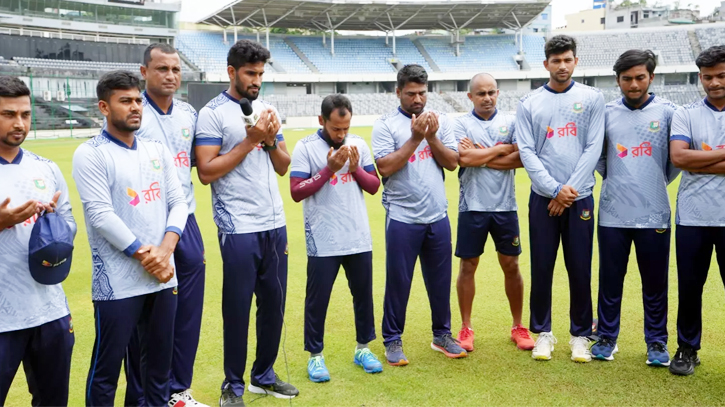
(459, 129)
(366, 158)
(382, 140)
(680, 128)
(445, 133)
(300, 167)
(209, 131)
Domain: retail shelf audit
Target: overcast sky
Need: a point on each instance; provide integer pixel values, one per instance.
(192, 10)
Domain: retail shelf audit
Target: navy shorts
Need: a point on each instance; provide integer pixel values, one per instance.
(474, 227)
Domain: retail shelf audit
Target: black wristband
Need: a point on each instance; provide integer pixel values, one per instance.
(265, 147)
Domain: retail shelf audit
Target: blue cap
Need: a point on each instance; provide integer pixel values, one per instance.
(50, 250)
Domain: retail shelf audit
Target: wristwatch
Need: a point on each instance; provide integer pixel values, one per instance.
(265, 147)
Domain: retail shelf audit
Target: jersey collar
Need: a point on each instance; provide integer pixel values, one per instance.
(16, 160)
(632, 108)
(571, 85)
(473, 112)
(119, 142)
(711, 106)
(156, 107)
(230, 97)
(404, 113)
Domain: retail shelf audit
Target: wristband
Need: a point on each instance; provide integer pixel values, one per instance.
(265, 147)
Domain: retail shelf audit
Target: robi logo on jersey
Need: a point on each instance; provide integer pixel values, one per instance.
(706, 147)
(568, 130)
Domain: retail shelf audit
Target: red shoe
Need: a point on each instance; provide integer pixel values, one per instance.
(465, 337)
(520, 336)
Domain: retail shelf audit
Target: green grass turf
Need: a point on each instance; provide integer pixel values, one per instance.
(495, 374)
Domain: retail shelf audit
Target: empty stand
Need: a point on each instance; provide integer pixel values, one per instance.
(602, 50)
(208, 51)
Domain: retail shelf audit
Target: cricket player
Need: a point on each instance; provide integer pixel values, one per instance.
(560, 131)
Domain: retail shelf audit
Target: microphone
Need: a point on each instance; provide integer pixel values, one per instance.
(249, 116)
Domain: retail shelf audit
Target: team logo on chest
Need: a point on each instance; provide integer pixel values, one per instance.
(185, 133)
(156, 164)
(654, 126)
(39, 183)
(578, 107)
(503, 130)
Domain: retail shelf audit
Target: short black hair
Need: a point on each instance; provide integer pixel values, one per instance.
(636, 57)
(116, 80)
(335, 102)
(165, 48)
(711, 57)
(246, 52)
(412, 73)
(13, 87)
(559, 44)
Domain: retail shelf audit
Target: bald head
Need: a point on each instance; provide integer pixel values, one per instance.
(484, 95)
(482, 79)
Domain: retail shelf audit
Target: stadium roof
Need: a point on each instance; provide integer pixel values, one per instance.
(377, 15)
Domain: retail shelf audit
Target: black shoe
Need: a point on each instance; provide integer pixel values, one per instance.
(279, 389)
(684, 362)
(229, 399)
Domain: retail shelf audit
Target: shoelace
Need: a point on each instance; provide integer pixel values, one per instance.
(396, 346)
(365, 353)
(316, 363)
(687, 354)
(545, 336)
(606, 342)
(658, 347)
(522, 332)
(580, 341)
(466, 333)
(449, 340)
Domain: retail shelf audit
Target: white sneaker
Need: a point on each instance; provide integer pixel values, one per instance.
(580, 349)
(184, 399)
(544, 346)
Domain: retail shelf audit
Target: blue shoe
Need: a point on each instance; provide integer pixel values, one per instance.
(657, 354)
(394, 353)
(448, 346)
(317, 371)
(604, 349)
(367, 359)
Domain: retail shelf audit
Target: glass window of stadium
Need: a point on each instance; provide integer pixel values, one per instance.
(9, 6)
(67, 10)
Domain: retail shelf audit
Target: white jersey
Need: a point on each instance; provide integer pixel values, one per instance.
(247, 199)
(25, 303)
(175, 129)
(336, 218)
(486, 189)
(701, 197)
(416, 194)
(131, 196)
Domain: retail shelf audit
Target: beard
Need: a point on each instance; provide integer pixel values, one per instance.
(245, 93)
(8, 140)
(330, 142)
(638, 101)
(122, 125)
(555, 78)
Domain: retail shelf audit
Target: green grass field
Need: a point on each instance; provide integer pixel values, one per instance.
(495, 374)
